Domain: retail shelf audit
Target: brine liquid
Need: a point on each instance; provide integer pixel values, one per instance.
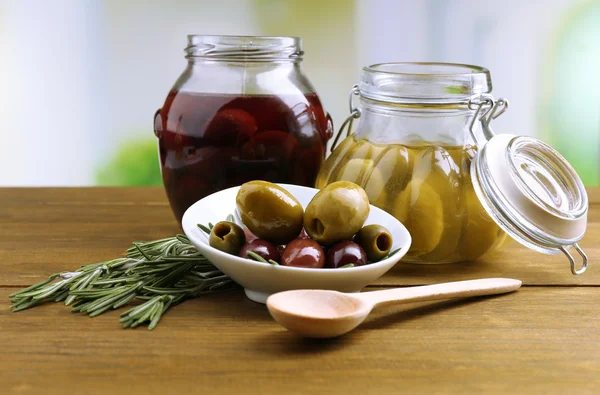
(428, 188)
(209, 142)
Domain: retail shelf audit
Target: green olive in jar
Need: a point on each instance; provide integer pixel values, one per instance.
(269, 211)
(336, 212)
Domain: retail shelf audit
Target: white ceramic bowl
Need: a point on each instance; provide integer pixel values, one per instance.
(260, 279)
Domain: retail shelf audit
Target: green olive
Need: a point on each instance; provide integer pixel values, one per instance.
(376, 240)
(227, 237)
(336, 212)
(269, 211)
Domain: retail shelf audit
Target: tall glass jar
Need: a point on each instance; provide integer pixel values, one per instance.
(412, 153)
(241, 110)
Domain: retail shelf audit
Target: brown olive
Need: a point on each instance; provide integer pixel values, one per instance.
(303, 253)
(336, 212)
(345, 253)
(269, 211)
(376, 240)
(227, 237)
(261, 247)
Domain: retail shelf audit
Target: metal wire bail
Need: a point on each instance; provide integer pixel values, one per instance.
(354, 114)
(584, 265)
(487, 109)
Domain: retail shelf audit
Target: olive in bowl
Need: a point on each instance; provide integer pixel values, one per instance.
(266, 250)
(336, 212)
(303, 253)
(228, 237)
(259, 279)
(345, 253)
(269, 211)
(376, 240)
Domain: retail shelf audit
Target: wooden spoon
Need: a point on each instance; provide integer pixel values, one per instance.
(322, 313)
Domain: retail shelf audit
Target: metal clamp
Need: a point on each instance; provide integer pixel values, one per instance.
(487, 109)
(354, 114)
(584, 265)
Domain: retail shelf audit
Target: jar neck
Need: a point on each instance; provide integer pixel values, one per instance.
(244, 49)
(414, 124)
(427, 83)
(245, 63)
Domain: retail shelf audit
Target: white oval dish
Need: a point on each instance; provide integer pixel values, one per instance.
(260, 280)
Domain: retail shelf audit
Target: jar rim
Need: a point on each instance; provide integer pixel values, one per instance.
(473, 69)
(246, 48)
(424, 82)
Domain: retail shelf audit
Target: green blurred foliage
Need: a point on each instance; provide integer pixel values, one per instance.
(134, 163)
(568, 111)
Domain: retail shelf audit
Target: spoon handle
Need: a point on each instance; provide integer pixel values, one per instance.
(457, 289)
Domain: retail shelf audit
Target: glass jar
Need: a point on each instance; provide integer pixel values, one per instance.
(241, 110)
(412, 153)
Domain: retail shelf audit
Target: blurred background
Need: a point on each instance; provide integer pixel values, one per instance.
(81, 80)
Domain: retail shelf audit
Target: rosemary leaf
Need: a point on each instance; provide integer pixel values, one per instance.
(34, 286)
(204, 229)
(256, 257)
(161, 273)
(392, 253)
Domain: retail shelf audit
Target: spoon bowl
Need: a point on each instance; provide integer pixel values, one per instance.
(321, 313)
(318, 313)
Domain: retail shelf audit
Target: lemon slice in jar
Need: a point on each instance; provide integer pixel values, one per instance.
(432, 205)
(332, 165)
(420, 208)
(391, 170)
(480, 233)
(359, 165)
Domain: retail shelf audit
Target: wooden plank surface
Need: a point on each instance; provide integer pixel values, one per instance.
(49, 230)
(537, 340)
(544, 338)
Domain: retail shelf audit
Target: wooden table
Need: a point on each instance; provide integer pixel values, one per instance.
(544, 338)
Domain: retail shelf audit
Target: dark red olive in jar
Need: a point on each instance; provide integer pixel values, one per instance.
(271, 144)
(270, 112)
(261, 247)
(345, 253)
(309, 162)
(303, 253)
(203, 160)
(231, 127)
(174, 141)
(189, 189)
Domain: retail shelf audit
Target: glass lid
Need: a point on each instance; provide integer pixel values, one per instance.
(532, 193)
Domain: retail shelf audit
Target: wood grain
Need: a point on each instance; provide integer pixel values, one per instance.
(545, 338)
(44, 231)
(537, 340)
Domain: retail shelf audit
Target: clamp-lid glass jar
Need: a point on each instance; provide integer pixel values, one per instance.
(241, 110)
(416, 153)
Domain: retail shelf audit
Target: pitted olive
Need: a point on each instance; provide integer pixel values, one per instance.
(336, 212)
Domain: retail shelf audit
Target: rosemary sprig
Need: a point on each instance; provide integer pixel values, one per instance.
(256, 257)
(161, 273)
(391, 254)
(204, 229)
